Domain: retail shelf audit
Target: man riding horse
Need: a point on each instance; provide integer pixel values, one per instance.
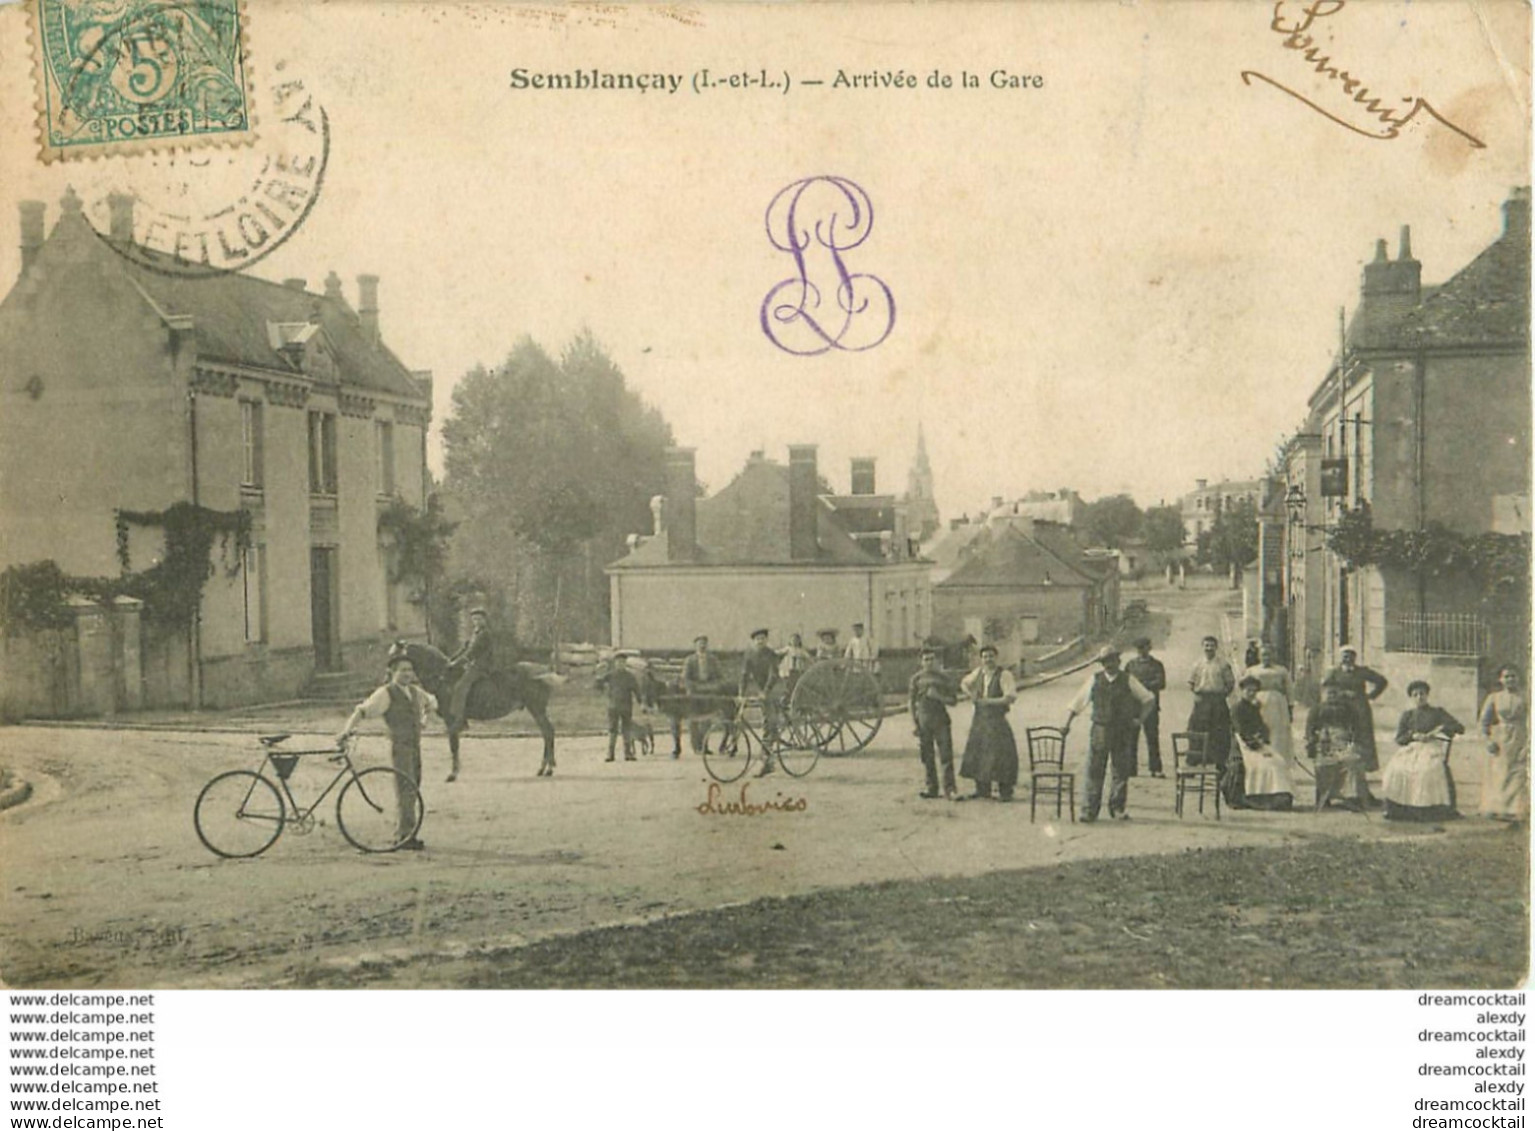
(473, 661)
(468, 685)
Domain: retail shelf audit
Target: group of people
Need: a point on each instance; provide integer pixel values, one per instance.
(1246, 723)
(702, 691)
(1246, 729)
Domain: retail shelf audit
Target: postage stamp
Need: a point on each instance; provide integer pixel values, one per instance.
(125, 76)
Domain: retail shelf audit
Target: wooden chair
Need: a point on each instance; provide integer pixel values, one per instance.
(1191, 773)
(1047, 770)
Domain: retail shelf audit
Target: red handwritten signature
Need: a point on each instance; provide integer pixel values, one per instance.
(715, 805)
(1388, 121)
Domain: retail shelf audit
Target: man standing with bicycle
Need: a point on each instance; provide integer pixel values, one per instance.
(404, 707)
(759, 676)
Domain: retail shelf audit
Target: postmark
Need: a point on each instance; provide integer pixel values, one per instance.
(824, 305)
(210, 212)
(128, 76)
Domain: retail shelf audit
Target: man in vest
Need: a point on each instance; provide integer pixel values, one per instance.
(617, 681)
(475, 658)
(404, 707)
(1120, 705)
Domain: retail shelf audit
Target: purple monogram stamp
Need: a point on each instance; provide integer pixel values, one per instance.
(824, 306)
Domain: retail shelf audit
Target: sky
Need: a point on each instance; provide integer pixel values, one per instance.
(1125, 279)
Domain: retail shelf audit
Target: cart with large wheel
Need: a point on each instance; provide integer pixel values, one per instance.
(837, 706)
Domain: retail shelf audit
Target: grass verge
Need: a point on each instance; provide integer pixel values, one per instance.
(1424, 911)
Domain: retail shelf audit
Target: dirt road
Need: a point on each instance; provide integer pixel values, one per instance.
(105, 883)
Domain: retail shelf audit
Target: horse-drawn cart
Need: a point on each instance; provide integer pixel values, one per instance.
(836, 705)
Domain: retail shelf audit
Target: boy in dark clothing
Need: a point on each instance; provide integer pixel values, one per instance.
(623, 691)
(932, 693)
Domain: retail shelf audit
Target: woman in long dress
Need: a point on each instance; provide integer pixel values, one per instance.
(991, 751)
(1505, 721)
(1265, 772)
(1417, 784)
(1274, 700)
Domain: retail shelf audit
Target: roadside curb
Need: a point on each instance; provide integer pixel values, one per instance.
(15, 794)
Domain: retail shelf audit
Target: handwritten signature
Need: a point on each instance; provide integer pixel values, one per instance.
(716, 806)
(1388, 122)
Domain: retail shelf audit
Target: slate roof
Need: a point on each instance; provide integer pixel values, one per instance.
(1006, 557)
(747, 523)
(1486, 303)
(230, 315)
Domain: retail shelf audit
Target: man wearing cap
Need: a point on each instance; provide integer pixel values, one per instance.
(1361, 686)
(862, 650)
(759, 676)
(1212, 681)
(991, 751)
(1120, 705)
(474, 659)
(1150, 674)
(404, 706)
(702, 678)
(623, 690)
(931, 694)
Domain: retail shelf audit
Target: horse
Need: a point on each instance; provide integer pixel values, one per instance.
(667, 696)
(496, 695)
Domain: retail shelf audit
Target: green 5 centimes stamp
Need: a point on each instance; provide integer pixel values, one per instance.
(123, 76)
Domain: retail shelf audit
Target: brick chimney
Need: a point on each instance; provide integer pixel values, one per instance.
(862, 477)
(804, 490)
(32, 213)
(1399, 278)
(120, 217)
(1516, 212)
(333, 287)
(367, 305)
(681, 505)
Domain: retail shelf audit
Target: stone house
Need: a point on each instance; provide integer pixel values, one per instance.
(769, 550)
(127, 384)
(1424, 419)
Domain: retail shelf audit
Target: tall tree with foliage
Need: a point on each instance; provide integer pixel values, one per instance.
(1231, 542)
(1112, 520)
(550, 465)
(1163, 530)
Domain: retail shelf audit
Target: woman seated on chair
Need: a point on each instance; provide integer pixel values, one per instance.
(1266, 774)
(1330, 740)
(1417, 782)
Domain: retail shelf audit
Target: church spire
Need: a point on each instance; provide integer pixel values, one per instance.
(921, 509)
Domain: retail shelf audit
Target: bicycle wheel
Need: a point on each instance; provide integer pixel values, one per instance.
(379, 810)
(728, 750)
(799, 752)
(239, 813)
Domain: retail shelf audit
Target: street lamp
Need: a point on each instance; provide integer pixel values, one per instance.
(1295, 503)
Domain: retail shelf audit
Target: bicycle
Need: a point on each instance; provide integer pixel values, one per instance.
(766, 732)
(240, 813)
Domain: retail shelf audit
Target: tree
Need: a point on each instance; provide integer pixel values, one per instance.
(1163, 529)
(1112, 520)
(551, 464)
(1231, 542)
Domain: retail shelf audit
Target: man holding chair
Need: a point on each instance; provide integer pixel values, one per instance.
(1120, 706)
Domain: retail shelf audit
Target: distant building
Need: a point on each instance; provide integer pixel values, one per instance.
(124, 386)
(769, 550)
(1425, 420)
(1025, 587)
(921, 508)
